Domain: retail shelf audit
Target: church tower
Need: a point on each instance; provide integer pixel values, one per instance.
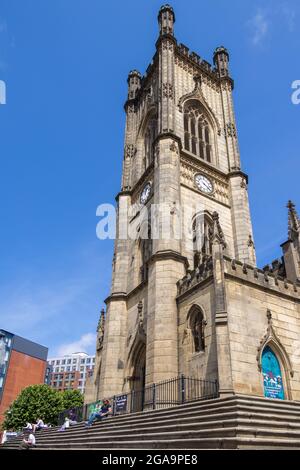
(184, 268)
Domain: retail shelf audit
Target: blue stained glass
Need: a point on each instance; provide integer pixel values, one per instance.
(273, 385)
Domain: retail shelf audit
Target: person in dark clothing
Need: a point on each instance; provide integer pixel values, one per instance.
(105, 410)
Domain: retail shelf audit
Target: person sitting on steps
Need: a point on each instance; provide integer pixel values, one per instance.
(70, 420)
(105, 410)
(28, 441)
(39, 425)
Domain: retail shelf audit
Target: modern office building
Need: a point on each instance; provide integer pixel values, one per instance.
(71, 371)
(22, 363)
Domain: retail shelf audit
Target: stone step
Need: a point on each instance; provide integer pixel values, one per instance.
(236, 429)
(196, 413)
(236, 421)
(192, 442)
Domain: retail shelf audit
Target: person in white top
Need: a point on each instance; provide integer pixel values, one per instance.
(29, 442)
(39, 425)
(4, 438)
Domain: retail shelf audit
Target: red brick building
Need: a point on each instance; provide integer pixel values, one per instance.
(22, 363)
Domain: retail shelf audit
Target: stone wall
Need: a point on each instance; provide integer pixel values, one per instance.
(251, 296)
(203, 364)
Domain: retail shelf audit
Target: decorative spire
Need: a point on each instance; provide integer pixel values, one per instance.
(221, 60)
(294, 223)
(134, 83)
(101, 323)
(217, 232)
(166, 20)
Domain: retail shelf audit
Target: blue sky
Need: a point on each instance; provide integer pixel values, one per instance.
(65, 64)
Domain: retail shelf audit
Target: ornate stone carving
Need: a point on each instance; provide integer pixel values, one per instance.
(186, 335)
(226, 86)
(192, 278)
(217, 232)
(167, 90)
(129, 150)
(244, 183)
(140, 314)
(293, 221)
(156, 154)
(174, 148)
(100, 330)
(271, 338)
(250, 241)
(167, 46)
(130, 108)
(230, 130)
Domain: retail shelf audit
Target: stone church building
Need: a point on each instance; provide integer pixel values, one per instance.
(193, 302)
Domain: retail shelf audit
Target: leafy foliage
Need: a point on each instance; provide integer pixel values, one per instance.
(71, 399)
(39, 401)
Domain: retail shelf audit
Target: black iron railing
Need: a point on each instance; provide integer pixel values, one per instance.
(159, 395)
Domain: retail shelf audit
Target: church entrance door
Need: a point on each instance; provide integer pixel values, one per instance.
(138, 383)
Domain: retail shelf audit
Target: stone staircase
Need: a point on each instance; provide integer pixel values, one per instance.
(235, 422)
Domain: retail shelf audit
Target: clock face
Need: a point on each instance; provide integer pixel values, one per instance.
(204, 184)
(145, 194)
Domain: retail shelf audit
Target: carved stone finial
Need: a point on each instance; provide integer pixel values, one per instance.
(101, 322)
(293, 221)
(250, 241)
(221, 59)
(100, 329)
(140, 313)
(269, 316)
(198, 81)
(134, 84)
(166, 20)
(217, 232)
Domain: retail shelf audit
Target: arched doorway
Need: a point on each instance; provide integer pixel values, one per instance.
(139, 370)
(272, 374)
(138, 379)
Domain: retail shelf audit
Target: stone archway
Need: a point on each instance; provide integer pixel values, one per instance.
(272, 374)
(137, 383)
(274, 364)
(139, 367)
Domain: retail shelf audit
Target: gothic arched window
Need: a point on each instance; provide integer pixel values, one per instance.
(197, 324)
(149, 137)
(272, 375)
(197, 131)
(145, 246)
(202, 234)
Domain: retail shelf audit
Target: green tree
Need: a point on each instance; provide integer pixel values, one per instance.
(71, 399)
(39, 401)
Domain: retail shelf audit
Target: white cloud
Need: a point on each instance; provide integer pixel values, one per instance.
(3, 26)
(259, 25)
(82, 345)
(289, 15)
